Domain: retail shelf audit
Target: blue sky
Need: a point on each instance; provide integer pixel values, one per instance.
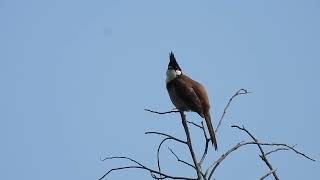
(76, 75)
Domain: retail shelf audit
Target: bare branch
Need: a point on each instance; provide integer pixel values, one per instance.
(275, 150)
(157, 112)
(207, 140)
(189, 143)
(158, 152)
(239, 92)
(122, 157)
(206, 146)
(278, 144)
(195, 124)
(180, 160)
(205, 152)
(141, 166)
(266, 175)
(289, 147)
(167, 135)
(263, 155)
(120, 168)
(214, 166)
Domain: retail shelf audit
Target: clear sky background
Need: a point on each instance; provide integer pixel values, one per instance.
(76, 75)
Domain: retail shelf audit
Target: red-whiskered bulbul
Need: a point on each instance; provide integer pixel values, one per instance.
(188, 95)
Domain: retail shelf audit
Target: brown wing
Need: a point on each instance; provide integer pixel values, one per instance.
(200, 92)
(183, 87)
(202, 95)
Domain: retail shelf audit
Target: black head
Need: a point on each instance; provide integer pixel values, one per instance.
(173, 63)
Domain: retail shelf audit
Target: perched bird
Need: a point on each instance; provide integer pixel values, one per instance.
(188, 95)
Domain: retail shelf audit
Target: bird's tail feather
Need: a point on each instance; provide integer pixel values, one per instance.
(211, 131)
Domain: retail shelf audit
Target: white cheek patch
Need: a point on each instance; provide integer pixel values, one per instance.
(171, 74)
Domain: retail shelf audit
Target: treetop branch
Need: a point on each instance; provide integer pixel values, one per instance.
(197, 165)
(166, 112)
(239, 92)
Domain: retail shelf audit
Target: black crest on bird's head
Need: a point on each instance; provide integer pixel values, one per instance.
(173, 63)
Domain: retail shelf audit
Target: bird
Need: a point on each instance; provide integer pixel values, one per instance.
(187, 94)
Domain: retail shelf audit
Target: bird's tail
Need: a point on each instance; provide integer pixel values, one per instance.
(211, 131)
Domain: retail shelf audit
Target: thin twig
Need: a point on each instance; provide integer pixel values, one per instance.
(239, 92)
(120, 168)
(266, 175)
(275, 150)
(289, 147)
(141, 166)
(122, 157)
(206, 146)
(148, 169)
(180, 160)
(166, 112)
(195, 124)
(205, 152)
(158, 153)
(167, 135)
